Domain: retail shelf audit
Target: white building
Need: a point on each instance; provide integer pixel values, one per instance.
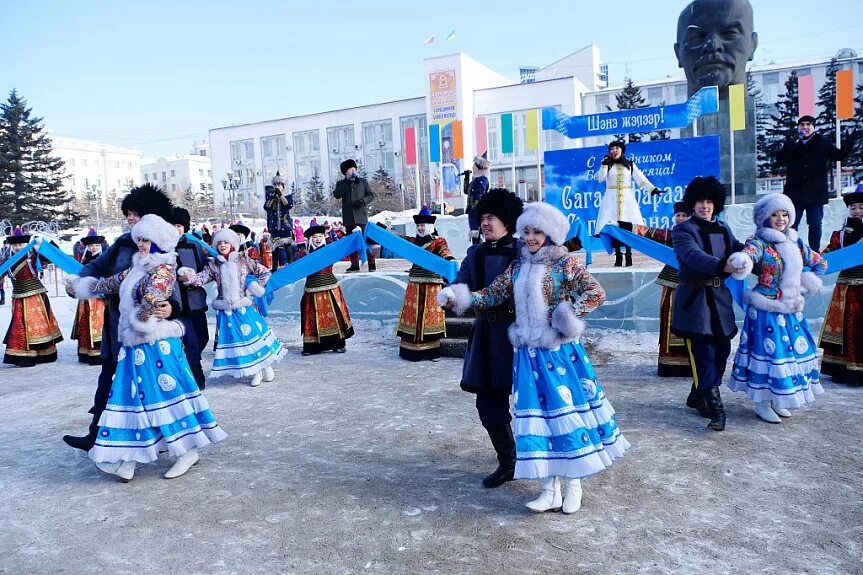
(95, 170)
(458, 92)
(179, 174)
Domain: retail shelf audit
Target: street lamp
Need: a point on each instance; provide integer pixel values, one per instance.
(230, 184)
(93, 199)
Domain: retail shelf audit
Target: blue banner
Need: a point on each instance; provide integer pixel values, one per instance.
(16, 257)
(434, 142)
(844, 258)
(63, 261)
(207, 247)
(570, 183)
(413, 253)
(705, 101)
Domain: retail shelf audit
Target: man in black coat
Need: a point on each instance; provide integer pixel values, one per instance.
(487, 370)
(703, 312)
(806, 159)
(356, 196)
(193, 300)
(140, 201)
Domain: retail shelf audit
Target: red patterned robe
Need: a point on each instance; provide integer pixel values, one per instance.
(324, 319)
(33, 332)
(87, 327)
(422, 323)
(842, 333)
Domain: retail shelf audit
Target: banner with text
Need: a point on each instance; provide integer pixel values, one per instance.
(570, 183)
(704, 101)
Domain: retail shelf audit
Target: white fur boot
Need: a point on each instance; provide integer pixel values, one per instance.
(257, 379)
(571, 489)
(269, 374)
(125, 470)
(765, 412)
(549, 499)
(780, 411)
(183, 464)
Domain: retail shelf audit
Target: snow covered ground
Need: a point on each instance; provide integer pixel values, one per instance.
(363, 463)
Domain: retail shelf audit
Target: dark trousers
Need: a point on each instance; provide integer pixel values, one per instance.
(355, 257)
(103, 389)
(814, 215)
(493, 409)
(708, 360)
(195, 340)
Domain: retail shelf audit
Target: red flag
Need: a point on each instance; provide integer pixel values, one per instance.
(410, 146)
(806, 96)
(481, 136)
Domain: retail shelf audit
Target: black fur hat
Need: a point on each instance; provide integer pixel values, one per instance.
(708, 188)
(182, 217)
(502, 203)
(347, 165)
(680, 207)
(147, 199)
(620, 144)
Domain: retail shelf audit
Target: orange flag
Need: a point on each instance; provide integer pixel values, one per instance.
(844, 94)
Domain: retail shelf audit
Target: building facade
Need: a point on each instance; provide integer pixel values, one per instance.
(180, 175)
(97, 172)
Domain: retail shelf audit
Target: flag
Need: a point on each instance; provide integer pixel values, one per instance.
(410, 146)
(451, 36)
(481, 136)
(434, 143)
(806, 95)
(531, 136)
(457, 140)
(429, 40)
(506, 134)
(844, 94)
(737, 106)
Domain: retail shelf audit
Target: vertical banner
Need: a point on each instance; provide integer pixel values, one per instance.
(806, 96)
(737, 106)
(481, 135)
(844, 94)
(444, 99)
(506, 134)
(457, 141)
(434, 143)
(410, 141)
(531, 121)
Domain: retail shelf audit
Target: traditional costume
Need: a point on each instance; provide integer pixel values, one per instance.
(33, 332)
(90, 314)
(776, 363)
(842, 333)
(475, 190)
(422, 323)
(324, 319)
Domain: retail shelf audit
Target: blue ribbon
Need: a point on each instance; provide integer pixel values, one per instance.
(662, 253)
(579, 230)
(306, 266)
(63, 261)
(844, 258)
(16, 257)
(447, 269)
(210, 250)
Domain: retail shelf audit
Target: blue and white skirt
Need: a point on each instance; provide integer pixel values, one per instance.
(245, 343)
(777, 360)
(564, 425)
(154, 405)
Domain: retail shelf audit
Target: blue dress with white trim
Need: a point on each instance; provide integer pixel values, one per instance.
(246, 345)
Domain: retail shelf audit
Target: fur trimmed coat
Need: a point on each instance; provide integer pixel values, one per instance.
(551, 291)
(618, 201)
(148, 281)
(230, 277)
(777, 259)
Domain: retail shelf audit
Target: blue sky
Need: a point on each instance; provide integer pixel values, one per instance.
(158, 74)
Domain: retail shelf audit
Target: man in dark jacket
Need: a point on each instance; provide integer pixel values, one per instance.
(193, 300)
(356, 196)
(806, 159)
(146, 199)
(702, 312)
(487, 370)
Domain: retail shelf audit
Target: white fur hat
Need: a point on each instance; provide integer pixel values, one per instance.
(153, 228)
(227, 235)
(764, 208)
(544, 217)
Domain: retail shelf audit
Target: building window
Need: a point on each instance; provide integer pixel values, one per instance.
(378, 146)
(771, 87)
(72, 162)
(804, 72)
(117, 165)
(209, 173)
(129, 165)
(493, 138)
(654, 96)
(274, 155)
(84, 162)
(164, 177)
(154, 176)
(146, 178)
(201, 173)
(243, 161)
(173, 175)
(307, 156)
(173, 187)
(340, 146)
(681, 93)
(602, 101)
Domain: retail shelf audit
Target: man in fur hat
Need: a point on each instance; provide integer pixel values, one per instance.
(356, 196)
(145, 199)
(475, 191)
(807, 158)
(278, 206)
(487, 368)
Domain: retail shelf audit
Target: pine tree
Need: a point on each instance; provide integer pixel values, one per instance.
(316, 201)
(31, 179)
(630, 98)
(190, 201)
(782, 126)
(298, 201)
(387, 194)
(856, 158)
(826, 119)
(761, 124)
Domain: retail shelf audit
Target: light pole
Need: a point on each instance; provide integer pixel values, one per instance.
(93, 198)
(230, 184)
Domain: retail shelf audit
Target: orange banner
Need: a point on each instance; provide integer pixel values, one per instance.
(844, 94)
(457, 141)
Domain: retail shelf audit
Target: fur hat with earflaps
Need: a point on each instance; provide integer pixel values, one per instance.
(147, 199)
(158, 231)
(545, 218)
(347, 165)
(705, 188)
(767, 205)
(226, 235)
(503, 204)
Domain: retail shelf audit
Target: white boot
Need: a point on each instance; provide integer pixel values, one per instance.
(571, 489)
(549, 499)
(780, 411)
(269, 374)
(183, 464)
(257, 379)
(765, 412)
(125, 470)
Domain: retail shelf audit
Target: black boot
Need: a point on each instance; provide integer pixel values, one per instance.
(84, 442)
(628, 258)
(504, 445)
(695, 401)
(200, 378)
(714, 402)
(618, 257)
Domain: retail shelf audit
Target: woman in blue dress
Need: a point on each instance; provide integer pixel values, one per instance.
(154, 404)
(776, 363)
(565, 428)
(245, 345)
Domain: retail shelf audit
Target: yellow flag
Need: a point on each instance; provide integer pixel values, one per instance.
(737, 106)
(531, 135)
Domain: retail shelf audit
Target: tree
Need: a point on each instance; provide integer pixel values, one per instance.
(856, 157)
(387, 194)
(630, 98)
(827, 116)
(782, 126)
(31, 179)
(761, 123)
(298, 201)
(316, 201)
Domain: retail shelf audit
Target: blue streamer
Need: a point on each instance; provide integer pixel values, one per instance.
(210, 249)
(62, 260)
(844, 258)
(16, 257)
(447, 269)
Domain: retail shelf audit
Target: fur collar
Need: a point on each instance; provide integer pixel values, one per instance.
(531, 298)
(231, 288)
(789, 286)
